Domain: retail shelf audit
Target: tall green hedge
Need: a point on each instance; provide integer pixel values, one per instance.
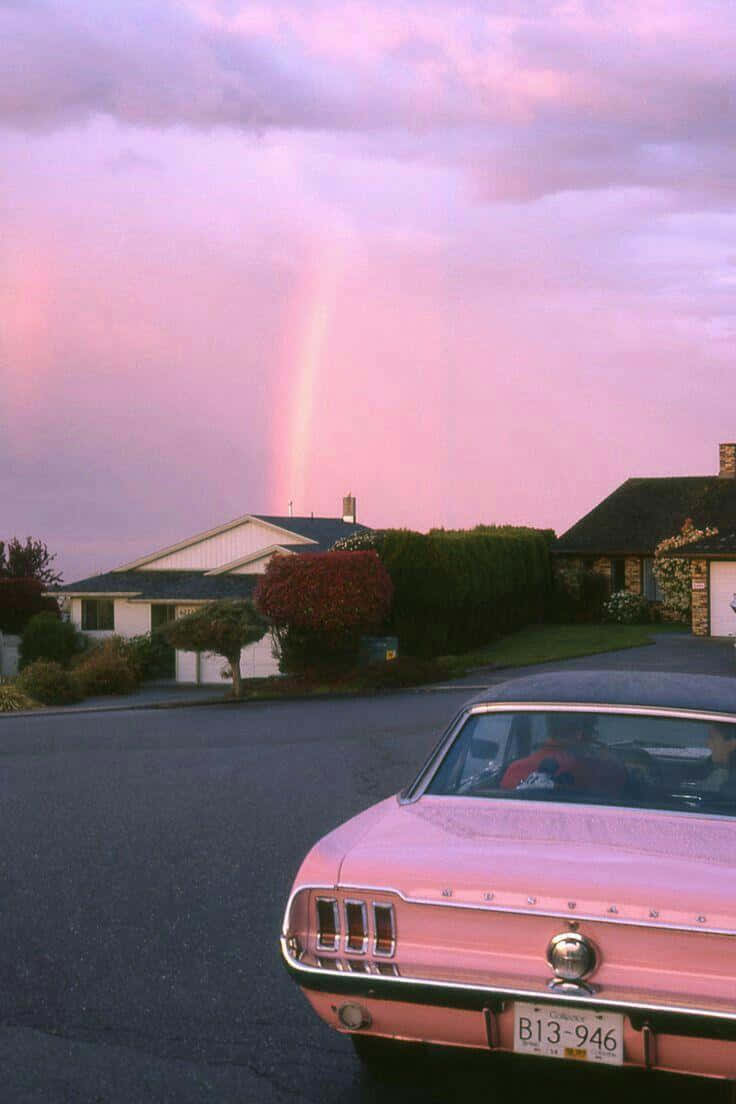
(455, 590)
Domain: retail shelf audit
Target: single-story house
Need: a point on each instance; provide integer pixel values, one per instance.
(618, 537)
(224, 562)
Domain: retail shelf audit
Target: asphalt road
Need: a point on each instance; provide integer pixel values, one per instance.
(146, 858)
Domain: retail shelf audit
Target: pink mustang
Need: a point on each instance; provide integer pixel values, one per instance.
(559, 880)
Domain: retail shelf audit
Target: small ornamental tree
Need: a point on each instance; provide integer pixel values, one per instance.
(223, 628)
(673, 574)
(320, 605)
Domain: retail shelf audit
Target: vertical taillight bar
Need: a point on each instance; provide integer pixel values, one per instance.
(356, 926)
(384, 928)
(328, 923)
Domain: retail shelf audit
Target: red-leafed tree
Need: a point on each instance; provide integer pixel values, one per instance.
(20, 599)
(320, 605)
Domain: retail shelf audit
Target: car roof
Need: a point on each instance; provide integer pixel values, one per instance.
(705, 693)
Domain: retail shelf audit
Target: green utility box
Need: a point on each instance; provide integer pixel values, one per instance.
(378, 649)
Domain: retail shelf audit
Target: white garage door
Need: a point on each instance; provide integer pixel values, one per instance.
(722, 591)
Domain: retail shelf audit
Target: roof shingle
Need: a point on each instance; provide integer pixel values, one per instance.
(642, 512)
(162, 586)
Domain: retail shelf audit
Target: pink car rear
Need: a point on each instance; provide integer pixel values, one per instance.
(559, 881)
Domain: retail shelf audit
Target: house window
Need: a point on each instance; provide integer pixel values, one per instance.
(98, 613)
(618, 574)
(650, 585)
(161, 614)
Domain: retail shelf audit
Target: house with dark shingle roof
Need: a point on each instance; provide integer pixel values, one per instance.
(224, 562)
(618, 537)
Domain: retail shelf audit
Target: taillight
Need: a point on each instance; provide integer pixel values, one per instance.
(356, 923)
(328, 923)
(384, 929)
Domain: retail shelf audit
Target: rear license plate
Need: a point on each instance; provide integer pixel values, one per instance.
(554, 1031)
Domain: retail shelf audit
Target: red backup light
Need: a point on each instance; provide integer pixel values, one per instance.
(384, 928)
(356, 922)
(328, 923)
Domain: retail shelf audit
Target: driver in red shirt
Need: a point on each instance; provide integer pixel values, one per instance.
(570, 759)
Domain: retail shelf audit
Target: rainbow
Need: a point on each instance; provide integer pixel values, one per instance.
(293, 439)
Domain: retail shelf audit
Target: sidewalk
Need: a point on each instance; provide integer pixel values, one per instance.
(677, 652)
(152, 695)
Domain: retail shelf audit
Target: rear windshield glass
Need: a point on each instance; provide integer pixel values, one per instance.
(607, 758)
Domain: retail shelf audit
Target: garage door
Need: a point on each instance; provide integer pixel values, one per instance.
(722, 591)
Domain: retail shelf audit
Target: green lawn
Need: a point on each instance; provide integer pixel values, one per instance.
(543, 643)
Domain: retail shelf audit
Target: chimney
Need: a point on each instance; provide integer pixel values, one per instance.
(348, 507)
(727, 457)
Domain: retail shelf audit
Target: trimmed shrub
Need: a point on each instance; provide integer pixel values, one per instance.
(223, 628)
(106, 669)
(457, 590)
(626, 608)
(49, 683)
(578, 595)
(47, 637)
(320, 605)
(20, 599)
(12, 698)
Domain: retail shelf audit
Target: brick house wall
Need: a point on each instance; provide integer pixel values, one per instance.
(700, 610)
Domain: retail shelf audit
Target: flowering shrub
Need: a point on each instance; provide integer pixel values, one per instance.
(319, 605)
(673, 575)
(626, 608)
(359, 542)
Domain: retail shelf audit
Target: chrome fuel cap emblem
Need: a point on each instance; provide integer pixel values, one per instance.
(571, 956)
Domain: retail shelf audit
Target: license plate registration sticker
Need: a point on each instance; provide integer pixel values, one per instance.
(556, 1031)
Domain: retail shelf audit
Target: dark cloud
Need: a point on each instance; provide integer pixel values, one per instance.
(531, 101)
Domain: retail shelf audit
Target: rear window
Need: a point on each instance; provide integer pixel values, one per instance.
(588, 757)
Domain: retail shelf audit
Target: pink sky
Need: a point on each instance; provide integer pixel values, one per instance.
(471, 262)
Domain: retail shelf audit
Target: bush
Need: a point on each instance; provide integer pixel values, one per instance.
(49, 683)
(12, 698)
(150, 655)
(457, 590)
(47, 637)
(626, 608)
(320, 605)
(20, 599)
(578, 596)
(106, 669)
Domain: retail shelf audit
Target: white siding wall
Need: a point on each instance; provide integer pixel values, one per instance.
(241, 541)
(255, 567)
(131, 618)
